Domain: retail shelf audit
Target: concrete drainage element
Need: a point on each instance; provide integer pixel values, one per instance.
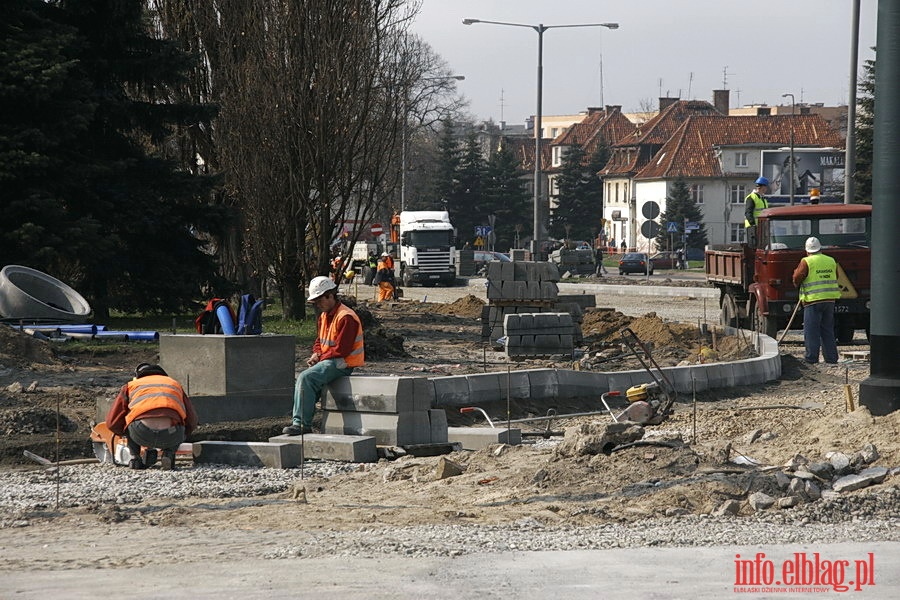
(30, 295)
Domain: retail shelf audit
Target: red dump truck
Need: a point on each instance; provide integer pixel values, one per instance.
(755, 287)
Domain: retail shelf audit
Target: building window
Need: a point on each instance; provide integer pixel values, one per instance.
(557, 155)
(740, 159)
(737, 233)
(617, 191)
(697, 193)
(738, 194)
(554, 131)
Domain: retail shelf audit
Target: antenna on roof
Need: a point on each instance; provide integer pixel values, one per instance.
(501, 105)
(690, 82)
(601, 80)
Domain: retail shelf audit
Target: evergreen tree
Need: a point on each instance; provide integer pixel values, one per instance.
(580, 199)
(446, 177)
(83, 109)
(680, 207)
(865, 133)
(505, 197)
(467, 208)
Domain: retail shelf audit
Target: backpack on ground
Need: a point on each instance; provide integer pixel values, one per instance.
(207, 322)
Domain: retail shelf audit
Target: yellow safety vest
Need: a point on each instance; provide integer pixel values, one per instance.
(327, 335)
(821, 282)
(759, 204)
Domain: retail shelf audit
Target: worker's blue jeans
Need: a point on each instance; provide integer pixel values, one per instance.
(818, 331)
(310, 384)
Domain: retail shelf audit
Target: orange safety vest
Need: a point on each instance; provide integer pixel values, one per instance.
(328, 335)
(152, 392)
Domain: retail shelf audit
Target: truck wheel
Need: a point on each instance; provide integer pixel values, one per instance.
(728, 317)
(763, 324)
(843, 332)
(406, 278)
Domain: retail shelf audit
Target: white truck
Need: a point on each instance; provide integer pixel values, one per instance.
(427, 255)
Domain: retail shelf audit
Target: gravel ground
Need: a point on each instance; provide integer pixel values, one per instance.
(26, 495)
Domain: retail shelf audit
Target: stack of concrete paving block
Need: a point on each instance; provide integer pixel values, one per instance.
(396, 411)
(576, 262)
(517, 287)
(538, 334)
(574, 304)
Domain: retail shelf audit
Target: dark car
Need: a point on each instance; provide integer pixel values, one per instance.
(635, 262)
(667, 259)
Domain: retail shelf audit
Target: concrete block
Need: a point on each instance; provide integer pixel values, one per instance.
(349, 448)
(582, 300)
(388, 430)
(548, 272)
(483, 388)
(520, 271)
(547, 342)
(246, 366)
(526, 321)
(507, 271)
(493, 272)
(621, 381)
(549, 290)
(476, 438)
(494, 290)
(544, 384)
(451, 391)
(515, 385)
(438, 419)
(534, 290)
(581, 384)
(253, 454)
(700, 380)
(512, 323)
(374, 393)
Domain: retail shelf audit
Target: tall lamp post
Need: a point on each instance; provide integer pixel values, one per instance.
(403, 142)
(540, 29)
(792, 144)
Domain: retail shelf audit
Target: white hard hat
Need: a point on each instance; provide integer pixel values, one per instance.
(318, 286)
(813, 245)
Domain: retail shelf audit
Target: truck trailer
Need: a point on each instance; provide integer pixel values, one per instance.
(755, 285)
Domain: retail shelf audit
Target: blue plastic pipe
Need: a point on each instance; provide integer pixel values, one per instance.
(225, 320)
(130, 336)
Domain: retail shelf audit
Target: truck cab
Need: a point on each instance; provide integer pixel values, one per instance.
(427, 254)
(756, 287)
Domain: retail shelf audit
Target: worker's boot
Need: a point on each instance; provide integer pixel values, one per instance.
(136, 463)
(150, 457)
(167, 462)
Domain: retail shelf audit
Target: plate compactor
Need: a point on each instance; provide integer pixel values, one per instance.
(648, 403)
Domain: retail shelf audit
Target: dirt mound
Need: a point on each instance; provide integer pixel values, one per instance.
(32, 421)
(467, 306)
(21, 349)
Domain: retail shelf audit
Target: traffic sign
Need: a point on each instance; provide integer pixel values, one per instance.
(691, 226)
(650, 210)
(649, 229)
(376, 229)
(672, 227)
(483, 230)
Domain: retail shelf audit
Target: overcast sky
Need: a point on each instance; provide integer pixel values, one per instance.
(686, 48)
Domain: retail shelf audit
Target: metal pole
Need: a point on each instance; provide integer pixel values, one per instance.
(403, 156)
(793, 104)
(536, 231)
(850, 152)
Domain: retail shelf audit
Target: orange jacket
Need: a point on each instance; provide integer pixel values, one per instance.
(151, 396)
(337, 327)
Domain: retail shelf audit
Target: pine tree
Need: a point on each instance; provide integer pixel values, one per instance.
(865, 133)
(467, 209)
(446, 178)
(505, 197)
(680, 207)
(580, 200)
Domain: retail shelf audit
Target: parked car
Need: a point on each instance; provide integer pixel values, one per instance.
(483, 257)
(668, 259)
(635, 262)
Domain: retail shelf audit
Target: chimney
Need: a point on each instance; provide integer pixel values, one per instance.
(666, 102)
(722, 100)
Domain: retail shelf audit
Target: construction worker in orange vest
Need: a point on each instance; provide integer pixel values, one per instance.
(338, 350)
(384, 277)
(152, 410)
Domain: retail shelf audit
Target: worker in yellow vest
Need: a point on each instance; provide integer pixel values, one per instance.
(755, 203)
(816, 276)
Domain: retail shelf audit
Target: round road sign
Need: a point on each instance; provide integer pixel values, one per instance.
(376, 229)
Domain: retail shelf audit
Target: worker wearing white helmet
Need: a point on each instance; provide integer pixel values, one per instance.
(816, 276)
(338, 350)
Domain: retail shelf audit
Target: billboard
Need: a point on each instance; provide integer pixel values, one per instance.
(813, 168)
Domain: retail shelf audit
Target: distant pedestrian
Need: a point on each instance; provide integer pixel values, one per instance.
(624, 247)
(598, 258)
(682, 264)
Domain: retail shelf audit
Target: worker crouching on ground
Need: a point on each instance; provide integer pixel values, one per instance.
(152, 410)
(338, 349)
(384, 277)
(816, 276)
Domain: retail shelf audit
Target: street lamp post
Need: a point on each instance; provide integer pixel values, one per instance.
(792, 145)
(540, 29)
(403, 137)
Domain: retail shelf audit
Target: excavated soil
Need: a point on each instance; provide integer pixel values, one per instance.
(685, 468)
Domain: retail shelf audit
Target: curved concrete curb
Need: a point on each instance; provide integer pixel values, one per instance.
(544, 384)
